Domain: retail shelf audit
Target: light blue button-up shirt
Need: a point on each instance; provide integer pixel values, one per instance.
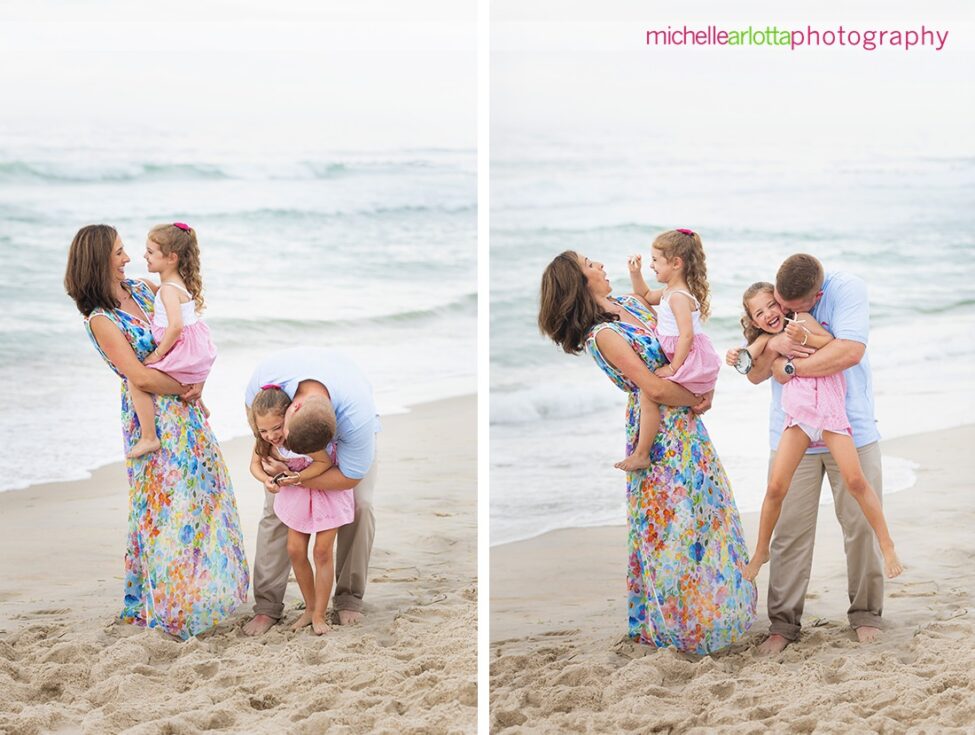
(844, 311)
(355, 411)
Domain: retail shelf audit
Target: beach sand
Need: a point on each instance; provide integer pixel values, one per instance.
(67, 666)
(561, 661)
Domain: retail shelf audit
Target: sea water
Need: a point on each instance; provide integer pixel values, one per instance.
(371, 251)
(904, 223)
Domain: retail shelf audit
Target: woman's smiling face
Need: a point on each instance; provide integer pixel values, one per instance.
(595, 276)
(119, 259)
(765, 312)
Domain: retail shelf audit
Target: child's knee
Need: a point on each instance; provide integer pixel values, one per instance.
(297, 549)
(777, 489)
(856, 484)
(322, 554)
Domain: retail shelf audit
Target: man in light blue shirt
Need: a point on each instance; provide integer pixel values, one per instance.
(839, 302)
(311, 375)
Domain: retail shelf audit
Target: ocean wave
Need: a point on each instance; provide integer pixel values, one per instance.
(64, 172)
(552, 401)
(255, 328)
(277, 214)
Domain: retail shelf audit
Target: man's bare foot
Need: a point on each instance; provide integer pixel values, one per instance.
(303, 622)
(259, 625)
(774, 644)
(319, 625)
(892, 564)
(144, 446)
(633, 463)
(867, 634)
(750, 572)
(349, 617)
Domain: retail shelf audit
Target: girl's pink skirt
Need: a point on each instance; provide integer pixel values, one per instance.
(309, 511)
(699, 373)
(190, 359)
(819, 403)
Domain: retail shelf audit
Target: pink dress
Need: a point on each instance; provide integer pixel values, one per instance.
(190, 359)
(699, 371)
(308, 510)
(816, 405)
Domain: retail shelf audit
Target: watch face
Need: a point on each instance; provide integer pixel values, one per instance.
(789, 368)
(743, 363)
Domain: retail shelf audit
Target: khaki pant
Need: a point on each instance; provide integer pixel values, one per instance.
(353, 549)
(792, 544)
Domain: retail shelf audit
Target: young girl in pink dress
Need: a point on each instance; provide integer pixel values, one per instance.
(684, 302)
(815, 410)
(303, 510)
(184, 350)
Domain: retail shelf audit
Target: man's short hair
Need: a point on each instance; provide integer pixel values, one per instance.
(312, 425)
(799, 276)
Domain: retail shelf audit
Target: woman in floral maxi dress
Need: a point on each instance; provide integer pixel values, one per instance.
(686, 548)
(185, 568)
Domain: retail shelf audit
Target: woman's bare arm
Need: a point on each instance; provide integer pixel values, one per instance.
(618, 352)
(117, 348)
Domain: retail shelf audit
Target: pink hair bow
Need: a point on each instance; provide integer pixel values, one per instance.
(685, 231)
(182, 225)
(271, 386)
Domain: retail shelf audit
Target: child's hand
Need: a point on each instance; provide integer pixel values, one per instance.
(731, 356)
(666, 371)
(634, 263)
(797, 332)
(271, 486)
(290, 479)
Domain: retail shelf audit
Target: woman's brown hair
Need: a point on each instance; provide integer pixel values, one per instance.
(750, 330)
(268, 400)
(174, 239)
(88, 276)
(567, 309)
(687, 246)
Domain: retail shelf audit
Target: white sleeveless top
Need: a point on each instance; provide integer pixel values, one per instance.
(667, 322)
(188, 310)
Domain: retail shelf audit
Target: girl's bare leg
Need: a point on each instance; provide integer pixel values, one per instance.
(792, 446)
(145, 411)
(844, 452)
(649, 426)
(298, 553)
(324, 576)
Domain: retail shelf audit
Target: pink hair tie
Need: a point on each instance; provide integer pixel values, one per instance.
(182, 225)
(684, 231)
(271, 386)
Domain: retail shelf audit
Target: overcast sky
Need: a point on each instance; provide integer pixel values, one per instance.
(349, 75)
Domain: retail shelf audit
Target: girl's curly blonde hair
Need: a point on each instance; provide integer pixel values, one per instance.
(173, 238)
(686, 245)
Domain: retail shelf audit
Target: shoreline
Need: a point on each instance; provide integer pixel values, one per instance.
(68, 664)
(558, 630)
(403, 410)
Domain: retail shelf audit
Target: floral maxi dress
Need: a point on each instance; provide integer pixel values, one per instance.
(185, 568)
(686, 548)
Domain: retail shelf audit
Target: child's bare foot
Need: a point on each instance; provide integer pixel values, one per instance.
(750, 572)
(634, 463)
(303, 622)
(319, 625)
(892, 565)
(145, 445)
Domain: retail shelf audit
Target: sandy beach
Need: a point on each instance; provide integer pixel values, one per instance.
(67, 666)
(561, 661)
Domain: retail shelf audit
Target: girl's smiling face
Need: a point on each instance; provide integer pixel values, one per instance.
(155, 260)
(765, 312)
(661, 266)
(271, 427)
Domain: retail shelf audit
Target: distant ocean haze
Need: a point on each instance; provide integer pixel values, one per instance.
(903, 223)
(369, 251)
